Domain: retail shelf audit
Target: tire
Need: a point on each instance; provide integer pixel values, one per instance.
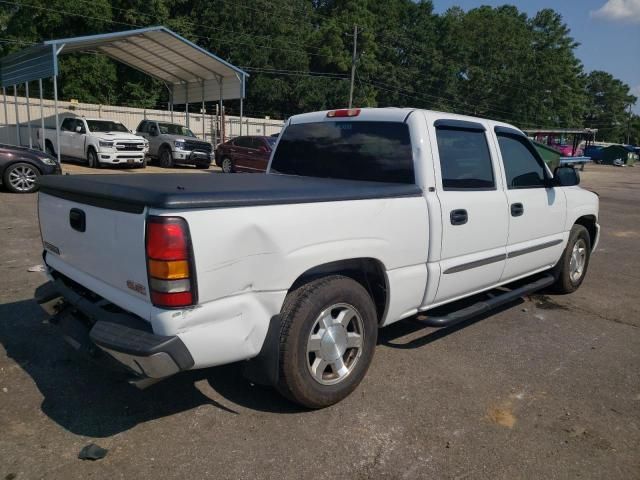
(572, 266)
(166, 159)
(21, 178)
(317, 365)
(92, 158)
(227, 165)
(48, 147)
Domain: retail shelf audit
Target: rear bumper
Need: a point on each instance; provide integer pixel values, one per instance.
(126, 338)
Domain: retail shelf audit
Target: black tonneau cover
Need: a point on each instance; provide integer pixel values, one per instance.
(132, 192)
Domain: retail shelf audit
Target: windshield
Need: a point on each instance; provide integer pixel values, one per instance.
(174, 129)
(369, 151)
(106, 126)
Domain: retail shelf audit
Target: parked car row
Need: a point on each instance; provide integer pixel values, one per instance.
(100, 142)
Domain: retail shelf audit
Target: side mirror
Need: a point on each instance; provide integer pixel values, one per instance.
(153, 132)
(566, 177)
(78, 129)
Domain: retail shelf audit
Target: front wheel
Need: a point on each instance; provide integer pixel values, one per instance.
(21, 178)
(227, 165)
(92, 159)
(166, 159)
(572, 266)
(327, 340)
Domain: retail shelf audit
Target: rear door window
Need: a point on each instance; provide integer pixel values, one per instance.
(465, 161)
(353, 150)
(244, 142)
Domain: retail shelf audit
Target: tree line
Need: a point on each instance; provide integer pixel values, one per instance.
(491, 62)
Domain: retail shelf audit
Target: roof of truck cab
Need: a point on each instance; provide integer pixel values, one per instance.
(391, 114)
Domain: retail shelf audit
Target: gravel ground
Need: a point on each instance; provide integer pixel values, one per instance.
(547, 388)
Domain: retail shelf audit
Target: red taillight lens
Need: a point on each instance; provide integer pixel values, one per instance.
(345, 112)
(167, 239)
(168, 262)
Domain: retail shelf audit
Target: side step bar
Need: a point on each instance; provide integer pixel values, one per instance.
(487, 305)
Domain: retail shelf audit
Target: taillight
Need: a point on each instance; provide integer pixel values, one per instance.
(345, 112)
(169, 262)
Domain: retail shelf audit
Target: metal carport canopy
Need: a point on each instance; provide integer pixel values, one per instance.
(190, 72)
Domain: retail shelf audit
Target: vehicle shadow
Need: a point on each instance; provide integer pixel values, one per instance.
(87, 399)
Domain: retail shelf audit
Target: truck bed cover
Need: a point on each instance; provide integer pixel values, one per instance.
(133, 192)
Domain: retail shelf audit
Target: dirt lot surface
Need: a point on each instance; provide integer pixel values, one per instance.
(547, 388)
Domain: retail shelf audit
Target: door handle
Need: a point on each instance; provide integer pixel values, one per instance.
(517, 209)
(458, 217)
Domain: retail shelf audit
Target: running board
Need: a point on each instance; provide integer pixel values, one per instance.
(487, 305)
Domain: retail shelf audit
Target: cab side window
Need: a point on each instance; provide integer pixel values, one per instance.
(68, 124)
(465, 161)
(522, 165)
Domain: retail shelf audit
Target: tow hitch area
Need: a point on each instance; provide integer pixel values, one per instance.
(129, 340)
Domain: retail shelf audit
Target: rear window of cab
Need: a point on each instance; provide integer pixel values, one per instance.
(352, 150)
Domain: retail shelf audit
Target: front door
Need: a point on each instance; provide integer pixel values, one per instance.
(537, 212)
(473, 207)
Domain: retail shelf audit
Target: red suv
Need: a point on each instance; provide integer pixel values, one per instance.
(245, 154)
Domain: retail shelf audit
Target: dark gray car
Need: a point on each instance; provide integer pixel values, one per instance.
(20, 167)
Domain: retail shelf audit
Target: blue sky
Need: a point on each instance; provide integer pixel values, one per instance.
(608, 32)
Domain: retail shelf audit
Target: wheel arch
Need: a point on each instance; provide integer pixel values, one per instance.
(367, 271)
(589, 222)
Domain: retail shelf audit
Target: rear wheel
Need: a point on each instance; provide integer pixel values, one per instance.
(227, 165)
(92, 158)
(166, 160)
(572, 266)
(21, 178)
(327, 341)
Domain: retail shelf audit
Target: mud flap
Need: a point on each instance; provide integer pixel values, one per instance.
(264, 369)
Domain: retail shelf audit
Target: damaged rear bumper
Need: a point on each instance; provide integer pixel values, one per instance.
(86, 324)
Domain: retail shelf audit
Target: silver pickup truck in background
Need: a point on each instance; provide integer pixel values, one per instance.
(174, 144)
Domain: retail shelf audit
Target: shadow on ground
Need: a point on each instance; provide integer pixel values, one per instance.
(86, 399)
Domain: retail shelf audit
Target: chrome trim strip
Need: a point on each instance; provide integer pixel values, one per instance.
(477, 263)
(535, 248)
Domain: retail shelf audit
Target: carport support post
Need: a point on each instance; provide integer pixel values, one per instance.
(15, 104)
(55, 106)
(26, 88)
(6, 114)
(41, 118)
(204, 134)
(171, 102)
(186, 101)
(241, 102)
(221, 113)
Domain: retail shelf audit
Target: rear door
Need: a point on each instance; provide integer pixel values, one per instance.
(473, 207)
(536, 211)
(239, 154)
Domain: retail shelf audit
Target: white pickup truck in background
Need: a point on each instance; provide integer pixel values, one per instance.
(365, 217)
(96, 141)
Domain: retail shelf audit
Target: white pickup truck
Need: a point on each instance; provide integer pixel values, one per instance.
(96, 141)
(365, 217)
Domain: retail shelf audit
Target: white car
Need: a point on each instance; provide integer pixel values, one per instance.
(365, 217)
(96, 141)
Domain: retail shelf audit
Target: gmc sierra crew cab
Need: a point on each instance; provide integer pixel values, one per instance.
(364, 217)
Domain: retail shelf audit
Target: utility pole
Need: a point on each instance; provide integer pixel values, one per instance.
(353, 63)
(629, 125)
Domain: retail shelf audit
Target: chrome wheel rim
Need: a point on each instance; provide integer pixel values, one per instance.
(226, 165)
(23, 178)
(578, 260)
(335, 344)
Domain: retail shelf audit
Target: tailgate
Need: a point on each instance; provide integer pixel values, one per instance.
(100, 248)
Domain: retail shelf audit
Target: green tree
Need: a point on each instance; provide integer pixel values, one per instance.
(607, 107)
